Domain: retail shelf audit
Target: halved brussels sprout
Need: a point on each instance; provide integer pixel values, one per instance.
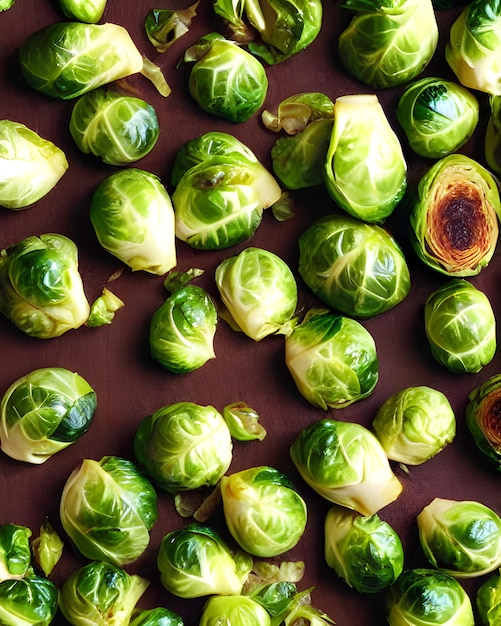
(107, 509)
(30, 165)
(355, 268)
(264, 512)
(415, 424)
(438, 116)
(88, 11)
(345, 463)
(44, 412)
(488, 601)
(483, 418)
(461, 538)
(236, 609)
(15, 551)
(41, 290)
(454, 220)
(30, 601)
(184, 446)
(460, 326)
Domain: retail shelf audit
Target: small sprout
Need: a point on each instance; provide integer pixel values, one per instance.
(103, 309)
(31, 601)
(164, 27)
(243, 422)
(47, 548)
(488, 600)
(88, 11)
(234, 609)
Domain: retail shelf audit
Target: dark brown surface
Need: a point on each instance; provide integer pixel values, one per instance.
(115, 359)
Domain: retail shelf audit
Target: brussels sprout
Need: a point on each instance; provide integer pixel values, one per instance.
(116, 128)
(107, 509)
(493, 135)
(67, 59)
(460, 326)
(259, 292)
(220, 202)
(194, 561)
(184, 446)
(473, 46)
(488, 601)
(345, 463)
(296, 112)
(31, 166)
(363, 550)
(415, 424)
(275, 597)
(44, 412)
(332, 359)
(226, 80)
(263, 511)
(454, 220)
(438, 116)
(41, 289)
(234, 610)
(100, 593)
(483, 419)
(103, 309)
(6, 4)
(155, 617)
(425, 596)
(353, 267)
(365, 169)
(388, 42)
(282, 28)
(88, 11)
(29, 601)
(15, 551)
(133, 218)
(243, 422)
(47, 548)
(462, 538)
(164, 27)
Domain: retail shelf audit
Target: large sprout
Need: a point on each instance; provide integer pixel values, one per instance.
(355, 268)
(345, 463)
(365, 168)
(184, 446)
(88, 11)
(388, 42)
(30, 601)
(461, 538)
(332, 359)
(363, 550)
(264, 512)
(107, 509)
(415, 424)
(259, 292)
(483, 418)
(454, 219)
(41, 290)
(44, 412)
(460, 326)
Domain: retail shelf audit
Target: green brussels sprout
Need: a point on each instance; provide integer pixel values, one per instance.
(259, 292)
(226, 80)
(164, 27)
(235, 610)
(332, 359)
(103, 309)
(88, 11)
(454, 220)
(345, 463)
(460, 326)
(6, 4)
(461, 538)
(184, 446)
(133, 218)
(100, 593)
(296, 112)
(483, 419)
(44, 412)
(116, 128)
(47, 548)
(493, 135)
(31, 165)
(15, 551)
(284, 28)
(473, 45)
(388, 42)
(107, 509)
(195, 561)
(438, 116)
(220, 202)
(41, 290)
(243, 422)
(67, 59)
(357, 269)
(365, 169)
(29, 601)
(415, 424)
(425, 596)
(488, 601)
(264, 512)
(276, 597)
(155, 617)
(363, 550)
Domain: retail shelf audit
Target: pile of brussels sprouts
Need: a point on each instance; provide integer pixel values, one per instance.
(350, 262)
